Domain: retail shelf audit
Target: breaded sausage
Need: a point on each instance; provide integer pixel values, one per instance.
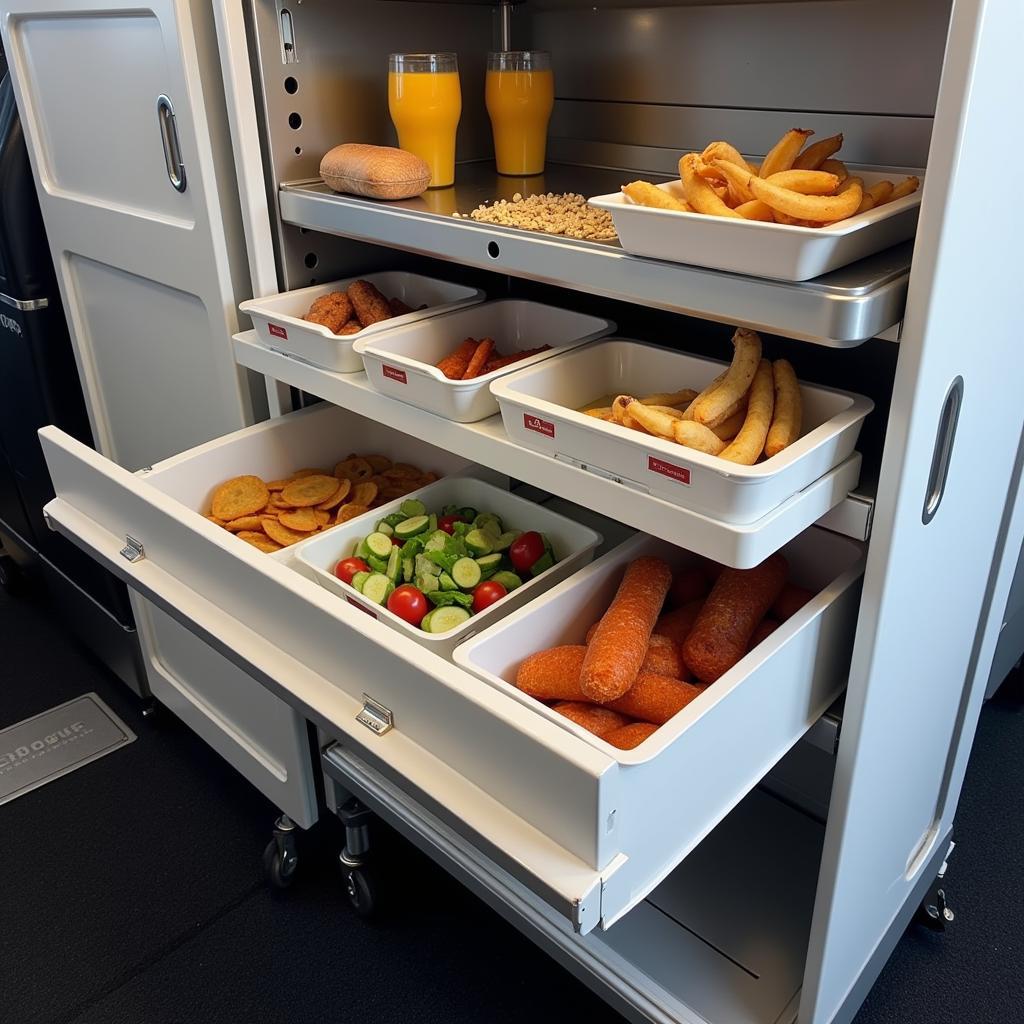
(600, 721)
(370, 305)
(663, 658)
(676, 625)
(398, 307)
(736, 605)
(553, 674)
(630, 736)
(619, 646)
(654, 698)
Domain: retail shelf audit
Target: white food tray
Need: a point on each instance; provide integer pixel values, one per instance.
(573, 545)
(538, 408)
(781, 251)
(402, 362)
(717, 720)
(279, 324)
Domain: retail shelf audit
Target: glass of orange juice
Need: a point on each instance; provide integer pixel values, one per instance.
(425, 100)
(520, 93)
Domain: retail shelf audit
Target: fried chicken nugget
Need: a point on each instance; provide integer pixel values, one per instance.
(370, 305)
(332, 310)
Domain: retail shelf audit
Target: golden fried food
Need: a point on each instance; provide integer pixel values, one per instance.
(240, 496)
(310, 490)
(748, 444)
(908, 186)
(821, 209)
(243, 523)
(718, 406)
(815, 155)
(354, 469)
(332, 310)
(280, 534)
(369, 303)
(809, 183)
(350, 511)
(783, 154)
(299, 520)
(259, 540)
(673, 398)
(337, 497)
(643, 193)
(755, 210)
(787, 415)
(699, 193)
(365, 493)
(697, 436)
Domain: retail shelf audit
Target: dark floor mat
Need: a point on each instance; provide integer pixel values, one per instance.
(108, 867)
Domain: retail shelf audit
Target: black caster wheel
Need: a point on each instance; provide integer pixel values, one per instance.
(279, 864)
(362, 891)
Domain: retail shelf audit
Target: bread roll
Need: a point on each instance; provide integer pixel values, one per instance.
(379, 172)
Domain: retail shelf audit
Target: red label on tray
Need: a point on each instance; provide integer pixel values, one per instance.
(537, 424)
(394, 373)
(361, 607)
(277, 332)
(669, 469)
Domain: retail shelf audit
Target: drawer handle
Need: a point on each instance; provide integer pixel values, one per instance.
(943, 452)
(172, 148)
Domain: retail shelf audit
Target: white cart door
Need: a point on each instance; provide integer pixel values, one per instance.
(119, 100)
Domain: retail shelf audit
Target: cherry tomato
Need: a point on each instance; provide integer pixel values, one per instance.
(408, 602)
(396, 542)
(526, 550)
(486, 594)
(348, 567)
(447, 523)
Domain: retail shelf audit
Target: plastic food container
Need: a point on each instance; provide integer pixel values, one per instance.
(573, 544)
(780, 251)
(756, 710)
(279, 324)
(538, 408)
(402, 362)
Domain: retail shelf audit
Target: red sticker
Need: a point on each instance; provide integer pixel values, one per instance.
(393, 373)
(360, 606)
(277, 332)
(535, 423)
(678, 473)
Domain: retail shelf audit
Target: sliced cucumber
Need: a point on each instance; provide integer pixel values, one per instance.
(379, 544)
(386, 528)
(466, 573)
(489, 523)
(441, 598)
(359, 579)
(428, 584)
(413, 507)
(479, 543)
(412, 548)
(444, 619)
(408, 569)
(507, 539)
(411, 527)
(362, 551)
(433, 522)
(394, 519)
(377, 588)
(394, 564)
(377, 564)
(489, 565)
(425, 567)
(509, 580)
(447, 583)
(425, 621)
(437, 541)
(542, 564)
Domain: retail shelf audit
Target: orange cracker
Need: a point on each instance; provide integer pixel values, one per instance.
(310, 490)
(239, 496)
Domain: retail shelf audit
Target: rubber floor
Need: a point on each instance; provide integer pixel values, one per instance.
(130, 894)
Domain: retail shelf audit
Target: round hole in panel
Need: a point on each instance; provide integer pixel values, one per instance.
(298, 151)
(493, 251)
(291, 85)
(294, 120)
(311, 260)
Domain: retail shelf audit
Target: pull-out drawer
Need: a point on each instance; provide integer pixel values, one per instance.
(552, 806)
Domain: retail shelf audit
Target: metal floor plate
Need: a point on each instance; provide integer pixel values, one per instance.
(51, 744)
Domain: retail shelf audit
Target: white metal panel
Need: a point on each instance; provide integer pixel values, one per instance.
(129, 248)
(907, 720)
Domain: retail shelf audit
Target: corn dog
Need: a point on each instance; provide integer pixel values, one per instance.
(630, 736)
(600, 721)
(654, 698)
(619, 647)
(553, 674)
(662, 658)
(735, 607)
(790, 601)
(787, 413)
(369, 304)
(748, 444)
(718, 406)
(676, 625)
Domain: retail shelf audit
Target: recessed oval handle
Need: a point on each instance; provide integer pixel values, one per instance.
(172, 149)
(942, 453)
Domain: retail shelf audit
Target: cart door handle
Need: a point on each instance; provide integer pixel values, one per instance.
(943, 452)
(172, 148)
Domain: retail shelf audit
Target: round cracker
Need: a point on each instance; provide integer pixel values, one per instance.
(258, 540)
(350, 511)
(322, 518)
(244, 523)
(354, 469)
(278, 485)
(365, 493)
(214, 519)
(300, 473)
(276, 531)
(301, 520)
(378, 463)
(310, 490)
(338, 497)
(239, 496)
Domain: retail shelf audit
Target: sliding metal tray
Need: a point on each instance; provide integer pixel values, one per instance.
(840, 310)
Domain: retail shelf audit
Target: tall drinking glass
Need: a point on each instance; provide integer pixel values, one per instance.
(520, 93)
(425, 101)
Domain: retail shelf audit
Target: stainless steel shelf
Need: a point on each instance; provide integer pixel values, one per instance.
(840, 309)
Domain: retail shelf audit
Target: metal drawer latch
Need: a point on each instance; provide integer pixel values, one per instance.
(133, 550)
(375, 716)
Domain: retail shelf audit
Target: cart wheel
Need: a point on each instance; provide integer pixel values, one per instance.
(362, 891)
(279, 866)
